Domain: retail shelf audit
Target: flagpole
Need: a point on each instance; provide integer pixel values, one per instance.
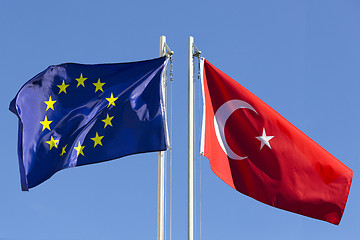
(161, 170)
(191, 143)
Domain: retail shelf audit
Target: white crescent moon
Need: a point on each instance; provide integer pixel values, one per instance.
(220, 118)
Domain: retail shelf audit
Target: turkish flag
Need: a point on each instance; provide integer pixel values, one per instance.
(258, 152)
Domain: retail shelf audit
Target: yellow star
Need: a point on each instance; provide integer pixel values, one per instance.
(46, 124)
(97, 139)
(107, 121)
(99, 85)
(52, 142)
(63, 150)
(50, 104)
(111, 100)
(79, 149)
(63, 87)
(80, 80)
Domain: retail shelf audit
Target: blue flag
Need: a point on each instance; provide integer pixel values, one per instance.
(76, 114)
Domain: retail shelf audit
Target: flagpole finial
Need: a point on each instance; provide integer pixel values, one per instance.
(164, 48)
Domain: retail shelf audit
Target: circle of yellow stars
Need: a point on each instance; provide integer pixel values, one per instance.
(51, 106)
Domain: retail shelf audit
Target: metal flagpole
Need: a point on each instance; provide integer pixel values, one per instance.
(191, 143)
(161, 170)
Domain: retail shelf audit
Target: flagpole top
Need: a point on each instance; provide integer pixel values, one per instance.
(164, 48)
(195, 51)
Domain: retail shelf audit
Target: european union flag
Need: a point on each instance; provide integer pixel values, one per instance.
(76, 114)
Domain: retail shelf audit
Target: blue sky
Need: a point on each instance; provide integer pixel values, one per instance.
(300, 57)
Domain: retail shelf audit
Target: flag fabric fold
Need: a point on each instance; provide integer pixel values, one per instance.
(256, 151)
(76, 114)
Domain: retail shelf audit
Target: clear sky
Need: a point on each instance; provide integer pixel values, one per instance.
(301, 57)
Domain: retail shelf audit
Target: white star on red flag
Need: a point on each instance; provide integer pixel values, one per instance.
(264, 139)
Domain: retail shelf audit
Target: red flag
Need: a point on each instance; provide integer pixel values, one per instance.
(256, 151)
